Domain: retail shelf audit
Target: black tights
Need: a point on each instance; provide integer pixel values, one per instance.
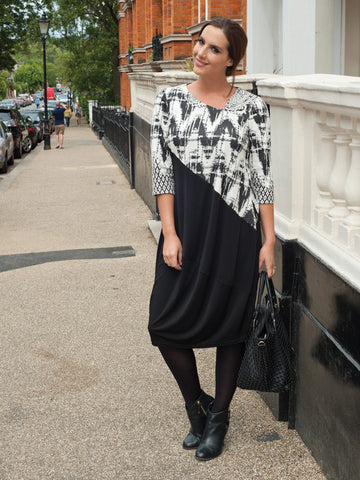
(182, 364)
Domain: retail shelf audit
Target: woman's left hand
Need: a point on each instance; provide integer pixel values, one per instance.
(266, 257)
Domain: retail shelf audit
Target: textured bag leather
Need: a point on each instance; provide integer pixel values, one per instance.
(266, 364)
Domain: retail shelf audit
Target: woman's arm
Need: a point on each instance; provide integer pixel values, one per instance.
(172, 250)
(267, 251)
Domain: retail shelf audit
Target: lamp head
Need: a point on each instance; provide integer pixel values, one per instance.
(44, 24)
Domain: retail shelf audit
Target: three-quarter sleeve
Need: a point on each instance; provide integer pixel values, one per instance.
(259, 157)
(162, 168)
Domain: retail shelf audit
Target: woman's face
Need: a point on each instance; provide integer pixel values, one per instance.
(211, 56)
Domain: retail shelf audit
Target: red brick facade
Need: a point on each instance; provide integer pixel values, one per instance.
(176, 20)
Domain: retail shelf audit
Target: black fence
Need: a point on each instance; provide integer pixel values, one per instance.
(114, 126)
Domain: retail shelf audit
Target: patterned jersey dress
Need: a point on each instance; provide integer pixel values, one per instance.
(216, 162)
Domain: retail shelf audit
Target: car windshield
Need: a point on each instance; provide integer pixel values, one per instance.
(5, 116)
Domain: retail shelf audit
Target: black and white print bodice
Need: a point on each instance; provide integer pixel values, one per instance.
(229, 148)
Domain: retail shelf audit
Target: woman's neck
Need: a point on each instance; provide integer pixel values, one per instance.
(212, 86)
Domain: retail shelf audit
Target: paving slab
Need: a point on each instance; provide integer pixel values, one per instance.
(84, 395)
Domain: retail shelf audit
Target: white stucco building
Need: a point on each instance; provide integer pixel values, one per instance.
(297, 37)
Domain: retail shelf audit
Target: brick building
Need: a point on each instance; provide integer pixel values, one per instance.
(177, 24)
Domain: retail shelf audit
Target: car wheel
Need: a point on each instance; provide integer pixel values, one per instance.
(27, 144)
(4, 168)
(11, 160)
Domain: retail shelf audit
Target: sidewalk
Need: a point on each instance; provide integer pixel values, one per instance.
(84, 394)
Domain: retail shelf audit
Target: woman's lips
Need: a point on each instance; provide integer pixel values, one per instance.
(199, 63)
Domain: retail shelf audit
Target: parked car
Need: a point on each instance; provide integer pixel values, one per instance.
(63, 98)
(38, 119)
(26, 97)
(6, 148)
(51, 105)
(39, 94)
(21, 101)
(10, 102)
(33, 133)
(15, 123)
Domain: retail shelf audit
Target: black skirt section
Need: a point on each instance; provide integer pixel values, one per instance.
(209, 302)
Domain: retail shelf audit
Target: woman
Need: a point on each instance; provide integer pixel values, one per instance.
(211, 175)
(78, 113)
(67, 115)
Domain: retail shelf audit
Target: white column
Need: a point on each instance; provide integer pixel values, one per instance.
(92, 103)
(325, 164)
(260, 51)
(337, 185)
(351, 225)
(352, 185)
(299, 37)
(339, 175)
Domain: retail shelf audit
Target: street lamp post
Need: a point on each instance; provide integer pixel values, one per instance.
(69, 94)
(44, 24)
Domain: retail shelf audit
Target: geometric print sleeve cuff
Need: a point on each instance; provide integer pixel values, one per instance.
(260, 144)
(162, 168)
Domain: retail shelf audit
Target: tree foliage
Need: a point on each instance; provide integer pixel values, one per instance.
(31, 74)
(89, 34)
(18, 23)
(3, 83)
(30, 59)
(82, 45)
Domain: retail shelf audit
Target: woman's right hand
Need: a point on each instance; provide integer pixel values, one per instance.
(172, 251)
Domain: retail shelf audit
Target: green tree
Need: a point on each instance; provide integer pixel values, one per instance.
(3, 83)
(18, 22)
(31, 53)
(89, 35)
(30, 73)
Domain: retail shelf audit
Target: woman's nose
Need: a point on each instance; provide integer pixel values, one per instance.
(202, 51)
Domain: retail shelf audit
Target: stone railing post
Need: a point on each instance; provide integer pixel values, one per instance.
(352, 185)
(349, 229)
(325, 164)
(337, 185)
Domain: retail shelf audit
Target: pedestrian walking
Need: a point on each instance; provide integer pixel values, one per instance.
(67, 115)
(58, 115)
(210, 146)
(37, 102)
(78, 113)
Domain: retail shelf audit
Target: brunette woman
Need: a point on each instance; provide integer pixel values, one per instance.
(211, 175)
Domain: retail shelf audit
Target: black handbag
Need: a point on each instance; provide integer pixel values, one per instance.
(266, 363)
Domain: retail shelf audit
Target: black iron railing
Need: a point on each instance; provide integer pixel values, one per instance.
(113, 125)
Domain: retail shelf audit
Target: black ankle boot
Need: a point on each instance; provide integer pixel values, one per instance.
(212, 440)
(197, 416)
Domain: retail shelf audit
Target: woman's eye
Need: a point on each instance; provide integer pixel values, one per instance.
(201, 41)
(215, 50)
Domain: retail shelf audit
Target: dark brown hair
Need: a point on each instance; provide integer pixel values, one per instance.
(235, 36)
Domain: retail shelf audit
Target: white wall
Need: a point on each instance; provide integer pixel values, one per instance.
(324, 36)
(293, 37)
(298, 37)
(260, 52)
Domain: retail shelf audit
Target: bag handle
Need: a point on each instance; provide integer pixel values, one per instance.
(272, 300)
(260, 290)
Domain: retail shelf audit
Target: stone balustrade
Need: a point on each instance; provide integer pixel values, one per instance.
(316, 157)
